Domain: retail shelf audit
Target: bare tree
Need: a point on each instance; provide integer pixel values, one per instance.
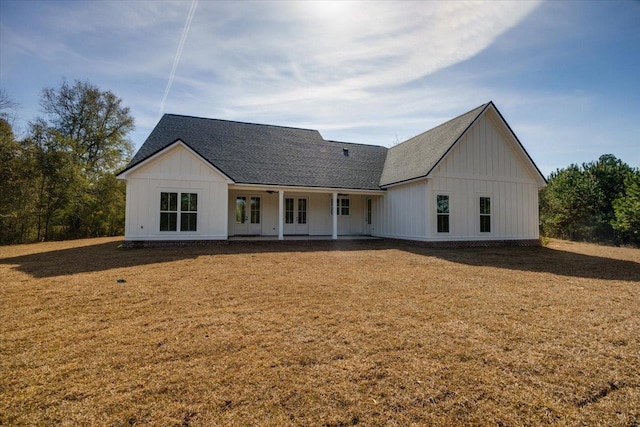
(8, 108)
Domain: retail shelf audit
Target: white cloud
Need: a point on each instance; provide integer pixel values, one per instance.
(334, 66)
(347, 52)
(357, 71)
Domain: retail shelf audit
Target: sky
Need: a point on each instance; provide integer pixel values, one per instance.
(564, 74)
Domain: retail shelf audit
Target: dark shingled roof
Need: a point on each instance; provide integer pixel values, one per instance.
(251, 153)
(263, 154)
(416, 157)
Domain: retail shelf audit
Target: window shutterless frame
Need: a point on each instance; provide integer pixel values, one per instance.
(344, 206)
(443, 213)
(485, 209)
(168, 211)
(178, 211)
(188, 211)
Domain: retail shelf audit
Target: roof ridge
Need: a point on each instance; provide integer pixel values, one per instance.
(483, 106)
(239, 122)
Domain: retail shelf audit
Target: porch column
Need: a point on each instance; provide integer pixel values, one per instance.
(280, 214)
(334, 235)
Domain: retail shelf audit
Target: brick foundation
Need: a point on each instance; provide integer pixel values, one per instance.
(136, 244)
(472, 243)
(132, 244)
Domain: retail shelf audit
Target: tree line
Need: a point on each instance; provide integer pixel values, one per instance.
(598, 201)
(58, 180)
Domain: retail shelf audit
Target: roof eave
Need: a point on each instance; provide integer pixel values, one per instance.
(309, 188)
(178, 142)
(404, 181)
(464, 132)
(542, 181)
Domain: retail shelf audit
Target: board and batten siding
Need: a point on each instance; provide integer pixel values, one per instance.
(487, 162)
(348, 225)
(402, 212)
(176, 170)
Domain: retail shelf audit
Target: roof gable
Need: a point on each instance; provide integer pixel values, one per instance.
(249, 153)
(487, 150)
(417, 156)
(542, 181)
(176, 159)
(270, 155)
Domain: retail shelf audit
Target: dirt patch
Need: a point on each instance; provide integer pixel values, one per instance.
(319, 333)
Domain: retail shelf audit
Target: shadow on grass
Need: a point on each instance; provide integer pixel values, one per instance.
(540, 260)
(107, 256)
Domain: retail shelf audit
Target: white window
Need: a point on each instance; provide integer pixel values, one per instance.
(442, 213)
(171, 210)
(344, 206)
(485, 214)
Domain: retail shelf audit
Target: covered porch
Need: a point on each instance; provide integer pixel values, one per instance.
(297, 238)
(297, 213)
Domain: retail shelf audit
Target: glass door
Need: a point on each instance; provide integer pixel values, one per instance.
(241, 216)
(296, 215)
(255, 217)
(248, 215)
(302, 225)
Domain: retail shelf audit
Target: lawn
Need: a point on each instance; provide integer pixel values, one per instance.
(320, 334)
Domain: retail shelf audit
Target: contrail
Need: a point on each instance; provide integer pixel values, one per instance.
(176, 60)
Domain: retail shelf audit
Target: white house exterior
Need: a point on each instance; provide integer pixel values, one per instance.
(487, 161)
(178, 169)
(467, 180)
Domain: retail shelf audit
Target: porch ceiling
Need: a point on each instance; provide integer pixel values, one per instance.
(300, 237)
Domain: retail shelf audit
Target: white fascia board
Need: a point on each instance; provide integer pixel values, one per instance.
(293, 188)
(539, 177)
(408, 181)
(123, 175)
(450, 149)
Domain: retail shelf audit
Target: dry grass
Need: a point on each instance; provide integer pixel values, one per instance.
(319, 333)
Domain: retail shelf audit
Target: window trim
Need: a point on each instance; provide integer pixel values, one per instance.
(437, 214)
(188, 212)
(340, 206)
(172, 213)
(178, 213)
(481, 215)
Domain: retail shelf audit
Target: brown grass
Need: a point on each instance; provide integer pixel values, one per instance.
(319, 333)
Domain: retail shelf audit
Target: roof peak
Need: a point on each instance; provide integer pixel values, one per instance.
(238, 122)
(480, 107)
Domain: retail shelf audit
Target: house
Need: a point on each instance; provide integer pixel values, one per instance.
(467, 180)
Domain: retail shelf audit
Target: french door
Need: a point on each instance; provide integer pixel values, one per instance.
(296, 216)
(248, 215)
